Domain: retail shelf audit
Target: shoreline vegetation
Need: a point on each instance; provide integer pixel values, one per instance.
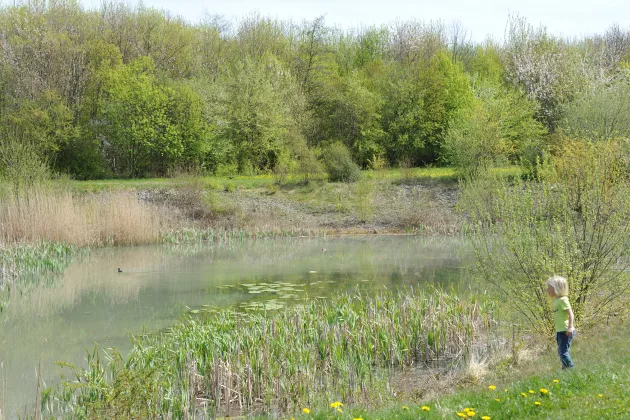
(44, 226)
(314, 354)
(345, 347)
(293, 129)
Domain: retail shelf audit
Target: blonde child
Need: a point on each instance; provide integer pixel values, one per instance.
(558, 288)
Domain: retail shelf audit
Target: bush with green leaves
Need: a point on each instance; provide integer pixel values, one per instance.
(571, 220)
(339, 164)
(602, 113)
(21, 163)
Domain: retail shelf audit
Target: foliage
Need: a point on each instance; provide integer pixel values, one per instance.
(499, 128)
(339, 164)
(130, 91)
(418, 108)
(149, 127)
(21, 162)
(571, 220)
(601, 113)
(547, 69)
(279, 360)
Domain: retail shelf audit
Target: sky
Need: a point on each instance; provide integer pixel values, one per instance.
(481, 18)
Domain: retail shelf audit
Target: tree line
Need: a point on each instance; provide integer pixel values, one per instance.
(130, 91)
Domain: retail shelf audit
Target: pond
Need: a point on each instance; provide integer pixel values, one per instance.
(92, 303)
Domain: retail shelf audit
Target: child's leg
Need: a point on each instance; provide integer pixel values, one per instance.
(564, 343)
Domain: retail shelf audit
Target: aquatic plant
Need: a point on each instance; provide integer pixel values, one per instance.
(225, 361)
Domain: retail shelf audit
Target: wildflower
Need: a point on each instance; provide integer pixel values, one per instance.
(555, 381)
(405, 407)
(544, 391)
(505, 390)
(538, 403)
(462, 415)
(340, 410)
(358, 418)
(306, 411)
(336, 404)
(497, 399)
(524, 394)
(492, 387)
(531, 391)
(600, 395)
(425, 408)
(486, 418)
(470, 413)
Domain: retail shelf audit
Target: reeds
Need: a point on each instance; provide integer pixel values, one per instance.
(315, 352)
(57, 215)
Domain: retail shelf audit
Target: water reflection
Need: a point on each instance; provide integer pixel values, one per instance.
(93, 303)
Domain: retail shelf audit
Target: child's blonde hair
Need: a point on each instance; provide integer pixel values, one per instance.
(560, 285)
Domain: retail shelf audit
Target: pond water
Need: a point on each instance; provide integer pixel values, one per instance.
(92, 303)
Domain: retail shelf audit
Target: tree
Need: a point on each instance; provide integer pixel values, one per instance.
(548, 70)
(601, 113)
(254, 112)
(572, 220)
(418, 108)
(148, 127)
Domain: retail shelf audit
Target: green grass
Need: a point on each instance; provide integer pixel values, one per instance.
(596, 389)
(441, 174)
(276, 361)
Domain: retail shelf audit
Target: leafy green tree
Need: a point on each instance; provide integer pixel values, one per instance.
(255, 113)
(47, 122)
(148, 127)
(418, 107)
(571, 220)
(601, 113)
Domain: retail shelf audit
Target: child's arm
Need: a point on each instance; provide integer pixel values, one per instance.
(570, 328)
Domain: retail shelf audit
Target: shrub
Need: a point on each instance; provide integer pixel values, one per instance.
(339, 164)
(572, 220)
(20, 162)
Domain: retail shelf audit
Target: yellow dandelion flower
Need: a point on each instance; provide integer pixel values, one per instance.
(486, 418)
(467, 409)
(405, 407)
(425, 408)
(471, 413)
(538, 403)
(492, 387)
(306, 411)
(524, 394)
(340, 410)
(600, 395)
(336, 404)
(544, 391)
(358, 418)
(555, 381)
(531, 391)
(497, 399)
(460, 414)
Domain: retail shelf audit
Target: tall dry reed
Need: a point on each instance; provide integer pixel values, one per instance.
(49, 215)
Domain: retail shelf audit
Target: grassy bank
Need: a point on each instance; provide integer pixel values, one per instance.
(596, 389)
(228, 362)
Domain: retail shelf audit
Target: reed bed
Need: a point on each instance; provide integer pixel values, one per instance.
(228, 362)
(56, 215)
(28, 264)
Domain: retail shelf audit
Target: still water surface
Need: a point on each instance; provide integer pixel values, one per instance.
(91, 303)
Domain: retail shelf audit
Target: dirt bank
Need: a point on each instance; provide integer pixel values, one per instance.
(370, 207)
